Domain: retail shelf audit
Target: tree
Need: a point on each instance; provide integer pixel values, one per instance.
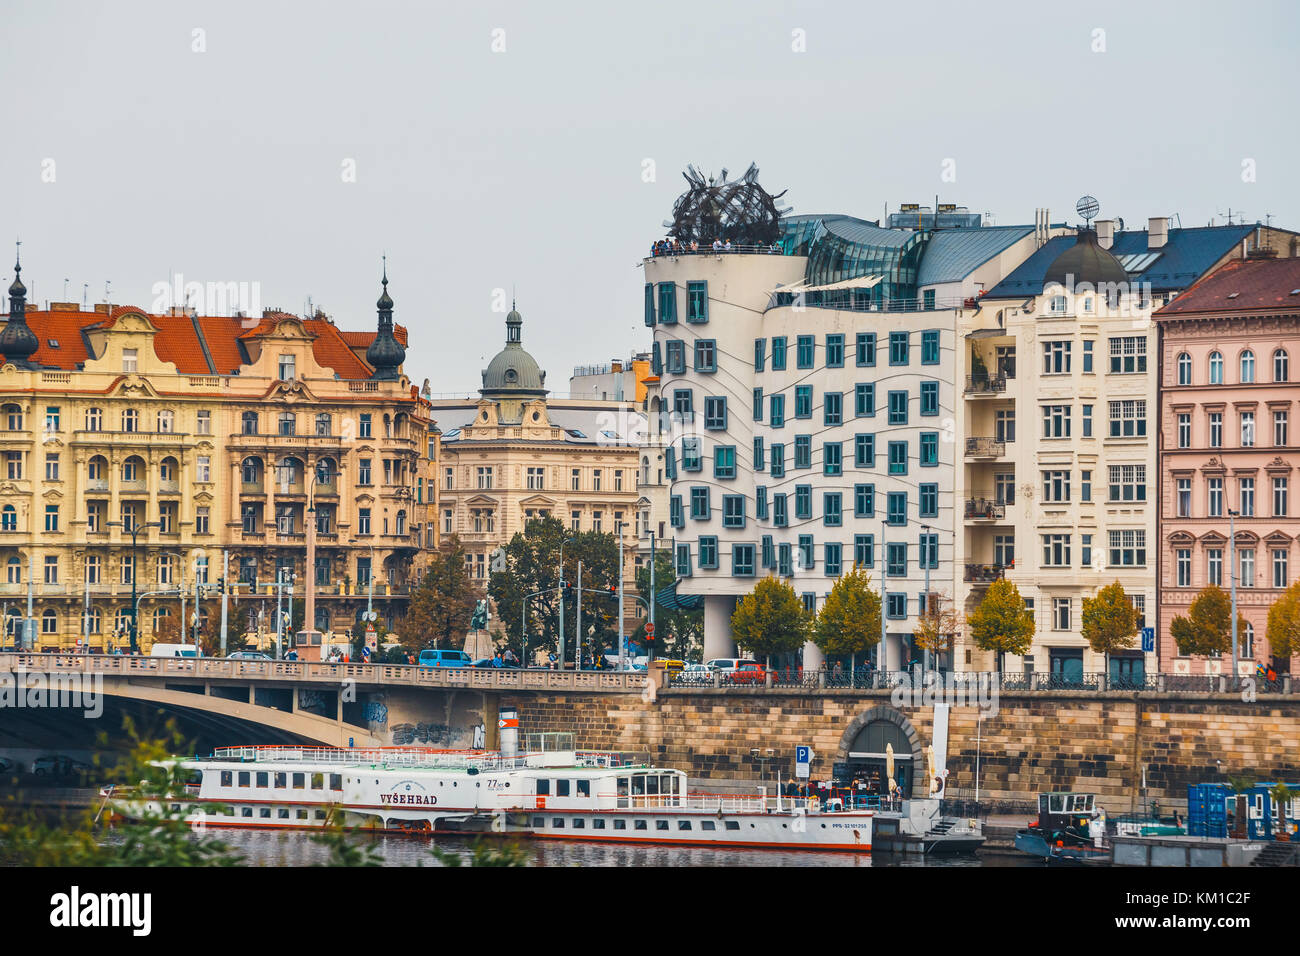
(937, 629)
(771, 619)
(443, 603)
(1002, 623)
(1109, 622)
(1284, 624)
(532, 560)
(678, 632)
(1207, 629)
(849, 621)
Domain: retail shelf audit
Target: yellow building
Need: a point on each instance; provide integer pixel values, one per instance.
(516, 454)
(216, 438)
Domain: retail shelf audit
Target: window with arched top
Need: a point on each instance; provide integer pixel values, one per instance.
(95, 619)
(8, 519)
(1247, 367)
(248, 423)
(1280, 369)
(97, 469)
(49, 621)
(1184, 369)
(13, 418)
(251, 471)
(1216, 368)
(14, 571)
(167, 469)
(133, 469)
(94, 419)
(323, 423)
(401, 523)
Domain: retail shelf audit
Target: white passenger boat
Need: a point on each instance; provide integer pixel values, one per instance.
(549, 790)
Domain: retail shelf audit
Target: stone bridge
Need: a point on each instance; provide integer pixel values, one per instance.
(246, 701)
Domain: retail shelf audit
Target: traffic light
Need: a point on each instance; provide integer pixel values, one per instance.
(650, 633)
(613, 590)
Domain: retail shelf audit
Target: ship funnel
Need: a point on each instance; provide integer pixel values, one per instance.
(508, 731)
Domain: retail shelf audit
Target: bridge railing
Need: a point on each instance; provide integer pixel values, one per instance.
(217, 668)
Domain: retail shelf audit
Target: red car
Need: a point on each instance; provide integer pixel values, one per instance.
(748, 674)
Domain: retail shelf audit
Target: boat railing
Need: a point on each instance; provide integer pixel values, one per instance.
(414, 757)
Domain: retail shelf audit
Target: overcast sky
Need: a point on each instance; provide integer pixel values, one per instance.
(226, 154)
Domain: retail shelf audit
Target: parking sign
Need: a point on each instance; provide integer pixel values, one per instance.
(802, 758)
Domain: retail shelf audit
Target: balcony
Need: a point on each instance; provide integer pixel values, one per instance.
(979, 385)
(983, 573)
(985, 509)
(985, 448)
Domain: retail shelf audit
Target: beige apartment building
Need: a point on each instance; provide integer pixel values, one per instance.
(216, 439)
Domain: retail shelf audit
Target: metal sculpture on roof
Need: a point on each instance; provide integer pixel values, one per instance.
(717, 208)
(1087, 207)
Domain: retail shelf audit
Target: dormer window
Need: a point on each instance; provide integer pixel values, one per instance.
(286, 368)
(1058, 304)
(130, 360)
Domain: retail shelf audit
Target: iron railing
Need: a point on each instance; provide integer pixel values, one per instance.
(985, 384)
(985, 508)
(985, 448)
(982, 572)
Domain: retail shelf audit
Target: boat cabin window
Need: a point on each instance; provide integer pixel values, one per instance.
(708, 825)
(640, 825)
(578, 823)
(336, 781)
(318, 781)
(227, 778)
(247, 812)
(620, 824)
(265, 812)
(584, 788)
(661, 824)
(1056, 803)
(652, 785)
(1082, 802)
(683, 824)
(733, 825)
(557, 822)
(320, 814)
(244, 777)
(281, 781)
(598, 824)
(543, 788)
(262, 777)
(561, 788)
(299, 781)
(539, 822)
(284, 813)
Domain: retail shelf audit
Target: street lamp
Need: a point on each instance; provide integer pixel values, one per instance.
(309, 637)
(1232, 572)
(560, 592)
(135, 530)
(180, 587)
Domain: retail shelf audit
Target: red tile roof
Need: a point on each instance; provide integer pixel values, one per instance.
(362, 340)
(1242, 285)
(202, 345)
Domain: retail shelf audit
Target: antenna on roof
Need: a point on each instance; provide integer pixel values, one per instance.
(107, 283)
(85, 296)
(65, 289)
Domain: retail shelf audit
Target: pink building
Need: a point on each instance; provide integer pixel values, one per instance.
(1229, 442)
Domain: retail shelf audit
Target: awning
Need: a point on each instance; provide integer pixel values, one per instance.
(861, 282)
(669, 598)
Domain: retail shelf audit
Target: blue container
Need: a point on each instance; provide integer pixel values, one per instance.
(1207, 809)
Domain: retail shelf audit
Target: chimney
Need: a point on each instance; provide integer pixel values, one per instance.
(65, 306)
(616, 365)
(1157, 232)
(1105, 232)
(103, 307)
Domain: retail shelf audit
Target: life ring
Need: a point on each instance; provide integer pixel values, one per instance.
(938, 784)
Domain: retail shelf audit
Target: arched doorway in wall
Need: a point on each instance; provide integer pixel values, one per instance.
(862, 753)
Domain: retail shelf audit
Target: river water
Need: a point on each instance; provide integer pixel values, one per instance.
(296, 848)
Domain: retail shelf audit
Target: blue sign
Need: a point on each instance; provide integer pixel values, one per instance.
(1148, 640)
(801, 755)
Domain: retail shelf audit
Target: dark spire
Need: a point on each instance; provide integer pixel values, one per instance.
(17, 342)
(385, 353)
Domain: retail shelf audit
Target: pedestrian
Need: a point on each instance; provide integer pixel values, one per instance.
(496, 659)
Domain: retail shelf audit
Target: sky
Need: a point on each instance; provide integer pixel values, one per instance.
(536, 149)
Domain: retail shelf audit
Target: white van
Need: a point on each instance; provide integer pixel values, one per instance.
(173, 650)
(729, 665)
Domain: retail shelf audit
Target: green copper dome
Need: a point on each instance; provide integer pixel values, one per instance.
(513, 371)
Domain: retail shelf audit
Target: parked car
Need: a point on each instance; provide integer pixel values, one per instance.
(695, 674)
(487, 662)
(728, 664)
(172, 650)
(748, 673)
(432, 658)
(9, 766)
(57, 765)
(248, 656)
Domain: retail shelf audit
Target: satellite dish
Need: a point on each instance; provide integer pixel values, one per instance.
(1087, 207)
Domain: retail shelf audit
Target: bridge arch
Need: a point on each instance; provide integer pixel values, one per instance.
(862, 746)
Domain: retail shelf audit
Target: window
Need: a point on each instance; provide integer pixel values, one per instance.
(1279, 428)
(928, 556)
(286, 368)
(1214, 566)
(1056, 421)
(1246, 570)
(683, 560)
(1004, 551)
(833, 408)
(864, 399)
(835, 351)
(1056, 486)
(288, 423)
(927, 300)
(676, 357)
(203, 468)
(929, 500)
(1087, 421)
(724, 461)
(1128, 355)
(929, 449)
(1085, 547)
(742, 560)
(1216, 368)
(760, 346)
(1214, 487)
(675, 517)
(51, 517)
(896, 508)
(832, 559)
(94, 419)
(697, 302)
(805, 347)
(778, 353)
(1247, 429)
(832, 461)
(1004, 425)
(778, 460)
(700, 503)
(715, 413)
(803, 451)
(832, 513)
(1184, 497)
(866, 349)
(1058, 304)
(896, 559)
(51, 569)
(1247, 367)
(895, 606)
(1246, 495)
(1184, 369)
(806, 561)
(776, 413)
(1087, 356)
(130, 360)
(864, 501)
(363, 521)
(898, 408)
(1060, 614)
(1280, 365)
(803, 502)
(51, 467)
(1056, 358)
(929, 398)
(706, 355)
(667, 303)
(130, 420)
(1128, 483)
(1183, 563)
(1128, 418)
(1128, 549)
(930, 347)
(484, 475)
(203, 422)
(1216, 429)
(363, 426)
(1184, 430)
(1279, 497)
(864, 550)
(758, 404)
(1279, 568)
(363, 471)
(864, 451)
(897, 348)
(780, 517)
(708, 551)
(898, 457)
(1056, 550)
(1085, 486)
(803, 401)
